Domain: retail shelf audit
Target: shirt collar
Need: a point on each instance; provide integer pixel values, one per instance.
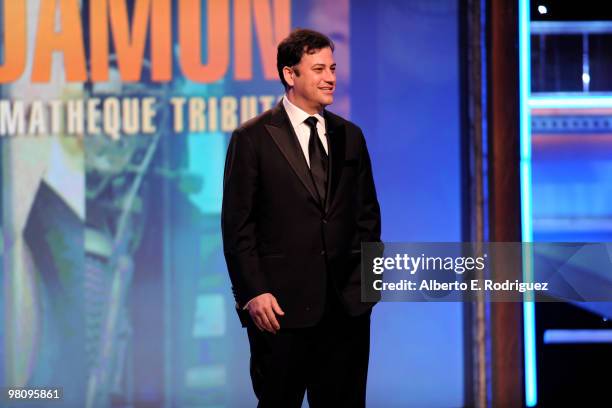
(297, 116)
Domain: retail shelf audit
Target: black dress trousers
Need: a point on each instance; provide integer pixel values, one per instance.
(328, 360)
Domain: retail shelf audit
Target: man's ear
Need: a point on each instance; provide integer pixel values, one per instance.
(288, 75)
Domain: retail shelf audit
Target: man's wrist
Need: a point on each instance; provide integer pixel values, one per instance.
(246, 306)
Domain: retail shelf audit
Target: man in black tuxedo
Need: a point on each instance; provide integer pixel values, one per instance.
(298, 201)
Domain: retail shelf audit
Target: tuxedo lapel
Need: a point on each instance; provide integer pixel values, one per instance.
(285, 138)
(336, 146)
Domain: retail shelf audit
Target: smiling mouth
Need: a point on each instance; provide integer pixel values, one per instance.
(327, 89)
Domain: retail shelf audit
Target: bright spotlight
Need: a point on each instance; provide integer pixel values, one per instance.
(586, 78)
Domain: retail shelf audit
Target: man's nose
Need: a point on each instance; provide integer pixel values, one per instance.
(330, 76)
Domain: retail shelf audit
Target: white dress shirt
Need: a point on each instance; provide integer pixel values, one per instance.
(297, 117)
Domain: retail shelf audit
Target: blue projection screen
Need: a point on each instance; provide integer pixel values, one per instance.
(114, 123)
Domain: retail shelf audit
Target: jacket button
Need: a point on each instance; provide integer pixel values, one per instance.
(322, 252)
(307, 308)
(324, 221)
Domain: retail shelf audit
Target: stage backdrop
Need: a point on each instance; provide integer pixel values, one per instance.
(114, 121)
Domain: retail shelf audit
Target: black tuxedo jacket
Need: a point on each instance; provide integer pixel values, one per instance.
(278, 237)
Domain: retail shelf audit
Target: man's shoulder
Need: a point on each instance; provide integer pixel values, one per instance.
(336, 120)
(258, 122)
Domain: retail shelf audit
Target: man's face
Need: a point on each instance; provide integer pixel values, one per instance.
(313, 80)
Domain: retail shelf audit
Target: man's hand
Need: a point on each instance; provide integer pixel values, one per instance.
(263, 310)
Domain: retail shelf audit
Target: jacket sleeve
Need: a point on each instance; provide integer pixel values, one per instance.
(368, 209)
(238, 219)
(368, 227)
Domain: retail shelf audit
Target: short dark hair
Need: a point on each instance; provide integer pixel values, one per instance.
(301, 41)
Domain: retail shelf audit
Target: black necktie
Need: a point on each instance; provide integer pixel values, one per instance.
(318, 159)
